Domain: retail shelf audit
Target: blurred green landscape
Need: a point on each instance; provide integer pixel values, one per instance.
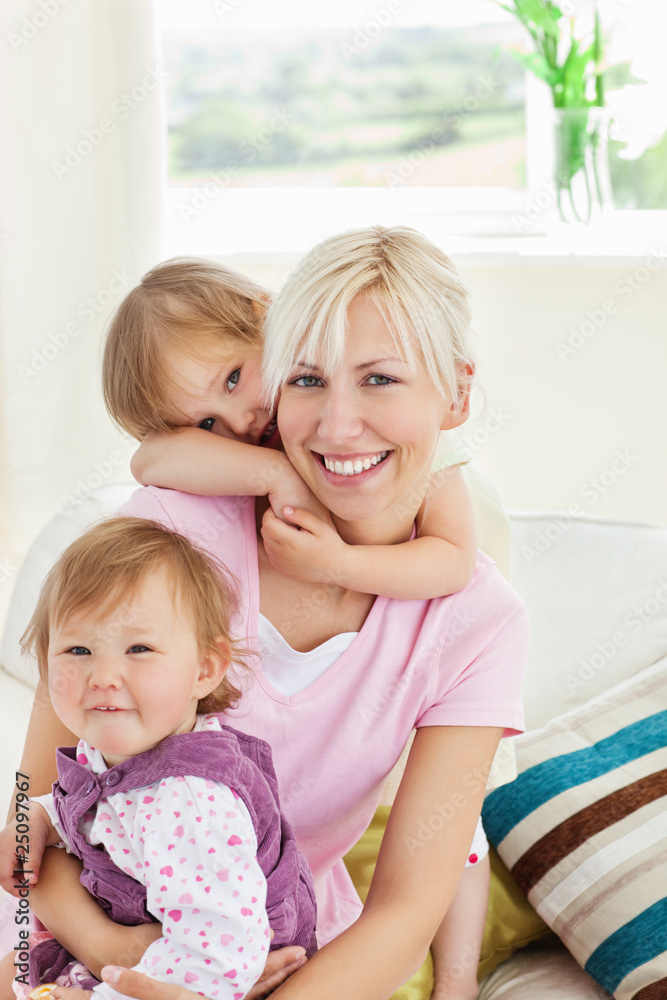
(357, 108)
(419, 107)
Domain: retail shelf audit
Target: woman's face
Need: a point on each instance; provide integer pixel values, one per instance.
(363, 436)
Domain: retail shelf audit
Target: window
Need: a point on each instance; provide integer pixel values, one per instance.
(287, 122)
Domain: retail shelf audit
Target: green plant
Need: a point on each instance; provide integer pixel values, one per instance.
(572, 68)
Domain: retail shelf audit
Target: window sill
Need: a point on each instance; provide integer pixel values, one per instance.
(484, 226)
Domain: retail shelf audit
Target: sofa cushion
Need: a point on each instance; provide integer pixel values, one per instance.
(596, 591)
(17, 699)
(63, 528)
(583, 831)
(543, 971)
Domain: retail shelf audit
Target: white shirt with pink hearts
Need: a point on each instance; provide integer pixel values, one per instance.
(192, 843)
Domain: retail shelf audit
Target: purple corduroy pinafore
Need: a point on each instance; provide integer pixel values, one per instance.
(242, 762)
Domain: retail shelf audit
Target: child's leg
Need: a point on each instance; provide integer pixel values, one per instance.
(458, 940)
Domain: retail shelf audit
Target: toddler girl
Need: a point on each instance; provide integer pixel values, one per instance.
(183, 356)
(174, 815)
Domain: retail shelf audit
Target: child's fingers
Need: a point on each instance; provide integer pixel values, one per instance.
(278, 531)
(304, 519)
(135, 984)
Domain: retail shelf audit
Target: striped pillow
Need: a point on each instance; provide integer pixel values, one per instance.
(583, 829)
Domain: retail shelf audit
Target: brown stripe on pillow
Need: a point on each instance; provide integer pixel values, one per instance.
(583, 825)
(655, 991)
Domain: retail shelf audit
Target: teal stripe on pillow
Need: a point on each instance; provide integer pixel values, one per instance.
(538, 784)
(632, 945)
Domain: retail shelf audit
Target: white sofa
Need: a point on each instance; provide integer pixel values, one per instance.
(597, 594)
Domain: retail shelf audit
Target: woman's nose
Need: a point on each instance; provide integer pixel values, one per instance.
(341, 419)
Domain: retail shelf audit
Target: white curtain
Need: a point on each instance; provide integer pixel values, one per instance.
(82, 178)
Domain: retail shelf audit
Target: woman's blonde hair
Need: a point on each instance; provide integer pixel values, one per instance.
(413, 284)
(104, 567)
(188, 304)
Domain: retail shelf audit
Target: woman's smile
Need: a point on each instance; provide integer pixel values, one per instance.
(363, 436)
(352, 465)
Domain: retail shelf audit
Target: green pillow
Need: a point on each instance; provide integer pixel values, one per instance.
(511, 922)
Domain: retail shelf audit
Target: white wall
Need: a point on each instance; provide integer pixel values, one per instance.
(571, 415)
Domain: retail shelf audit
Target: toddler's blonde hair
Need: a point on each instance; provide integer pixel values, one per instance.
(105, 567)
(187, 304)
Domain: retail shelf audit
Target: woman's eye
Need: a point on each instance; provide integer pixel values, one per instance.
(79, 651)
(233, 379)
(139, 649)
(307, 381)
(207, 423)
(380, 380)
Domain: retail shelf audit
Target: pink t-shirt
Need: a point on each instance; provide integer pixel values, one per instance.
(450, 661)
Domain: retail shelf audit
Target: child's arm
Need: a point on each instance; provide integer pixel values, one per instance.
(438, 562)
(196, 461)
(78, 922)
(26, 850)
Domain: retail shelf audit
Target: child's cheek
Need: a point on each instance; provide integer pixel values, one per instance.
(63, 687)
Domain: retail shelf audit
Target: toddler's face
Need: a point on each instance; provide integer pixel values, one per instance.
(222, 393)
(125, 678)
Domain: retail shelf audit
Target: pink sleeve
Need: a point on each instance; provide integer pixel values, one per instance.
(145, 502)
(491, 653)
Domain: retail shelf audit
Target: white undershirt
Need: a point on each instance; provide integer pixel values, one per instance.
(290, 671)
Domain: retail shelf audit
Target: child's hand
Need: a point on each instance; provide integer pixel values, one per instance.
(316, 553)
(25, 851)
(287, 488)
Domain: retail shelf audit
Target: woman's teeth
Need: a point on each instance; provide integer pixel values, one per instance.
(349, 468)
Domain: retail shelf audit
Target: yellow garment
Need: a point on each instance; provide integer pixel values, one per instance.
(511, 922)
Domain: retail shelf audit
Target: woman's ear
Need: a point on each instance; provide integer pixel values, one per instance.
(212, 668)
(459, 409)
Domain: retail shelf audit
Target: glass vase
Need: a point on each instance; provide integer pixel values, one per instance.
(581, 165)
